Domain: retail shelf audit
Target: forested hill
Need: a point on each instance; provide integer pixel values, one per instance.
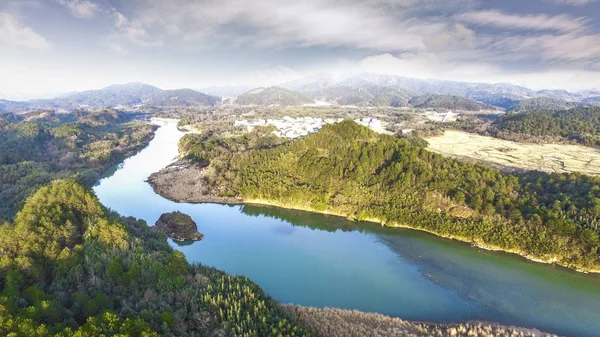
(69, 268)
(273, 96)
(350, 170)
(37, 148)
(580, 125)
(546, 103)
(448, 102)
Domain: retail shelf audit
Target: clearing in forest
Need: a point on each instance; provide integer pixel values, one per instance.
(509, 155)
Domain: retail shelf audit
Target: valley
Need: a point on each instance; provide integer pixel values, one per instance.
(317, 168)
(327, 261)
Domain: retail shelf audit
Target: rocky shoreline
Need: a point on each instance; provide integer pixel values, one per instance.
(352, 323)
(182, 182)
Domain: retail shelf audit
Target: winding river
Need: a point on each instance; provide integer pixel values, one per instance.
(318, 260)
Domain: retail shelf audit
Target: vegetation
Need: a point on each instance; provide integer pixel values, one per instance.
(580, 125)
(348, 169)
(367, 95)
(70, 268)
(36, 148)
(352, 323)
(448, 102)
(178, 226)
(544, 103)
(273, 96)
(127, 95)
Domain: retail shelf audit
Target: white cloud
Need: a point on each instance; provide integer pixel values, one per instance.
(560, 23)
(547, 47)
(12, 32)
(375, 25)
(271, 76)
(127, 32)
(80, 8)
(573, 2)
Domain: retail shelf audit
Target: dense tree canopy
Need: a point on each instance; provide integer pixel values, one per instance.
(348, 169)
(36, 148)
(581, 125)
(69, 268)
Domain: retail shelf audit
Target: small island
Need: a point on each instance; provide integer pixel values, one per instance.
(178, 226)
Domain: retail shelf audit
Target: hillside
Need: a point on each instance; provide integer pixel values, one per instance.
(181, 97)
(368, 95)
(503, 95)
(131, 94)
(580, 125)
(448, 102)
(70, 268)
(544, 103)
(592, 100)
(349, 170)
(36, 148)
(273, 96)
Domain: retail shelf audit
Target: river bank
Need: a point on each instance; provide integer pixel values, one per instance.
(352, 323)
(320, 261)
(182, 182)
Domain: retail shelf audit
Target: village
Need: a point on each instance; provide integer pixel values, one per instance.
(289, 127)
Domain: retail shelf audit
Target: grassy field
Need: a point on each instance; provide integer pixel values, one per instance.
(510, 155)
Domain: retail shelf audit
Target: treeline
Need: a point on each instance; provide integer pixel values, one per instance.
(70, 268)
(577, 125)
(36, 148)
(348, 169)
(580, 125)
(351, 323)
(448, 102)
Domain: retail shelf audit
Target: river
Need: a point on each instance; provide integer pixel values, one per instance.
(318, 260)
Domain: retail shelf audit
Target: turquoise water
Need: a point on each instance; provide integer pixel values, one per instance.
(317, 260)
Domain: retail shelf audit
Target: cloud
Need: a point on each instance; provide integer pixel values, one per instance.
(559, 23)
(547, 47)
(127, 32)
(573, 2)
(272, 75)
(84, 9)
(373, 25)
(12, 32)
(424, 66)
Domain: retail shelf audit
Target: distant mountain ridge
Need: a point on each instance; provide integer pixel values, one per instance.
(449, 102)
(130, 95)
(273, 96)
(363, 90)
(504, 95)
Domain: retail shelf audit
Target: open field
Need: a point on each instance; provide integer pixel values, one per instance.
(510, 155)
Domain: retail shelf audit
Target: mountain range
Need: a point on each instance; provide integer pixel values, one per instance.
(367, 90)
(129, 95)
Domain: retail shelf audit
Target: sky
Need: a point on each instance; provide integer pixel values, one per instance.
(49, 47)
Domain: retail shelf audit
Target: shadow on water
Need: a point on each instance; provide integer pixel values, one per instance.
(318, 260)
(506, 288)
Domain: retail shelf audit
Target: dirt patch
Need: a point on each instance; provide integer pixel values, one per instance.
(182, 181)
(507, 155)
(352, 323)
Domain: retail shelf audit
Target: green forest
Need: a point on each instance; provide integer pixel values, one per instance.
(68, 267)
(37, 148)
(580, 125)
(350, 170)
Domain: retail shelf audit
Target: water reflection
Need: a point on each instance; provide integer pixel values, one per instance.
(318, 260)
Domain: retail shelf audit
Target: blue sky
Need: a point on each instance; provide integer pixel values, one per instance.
(52, 46)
